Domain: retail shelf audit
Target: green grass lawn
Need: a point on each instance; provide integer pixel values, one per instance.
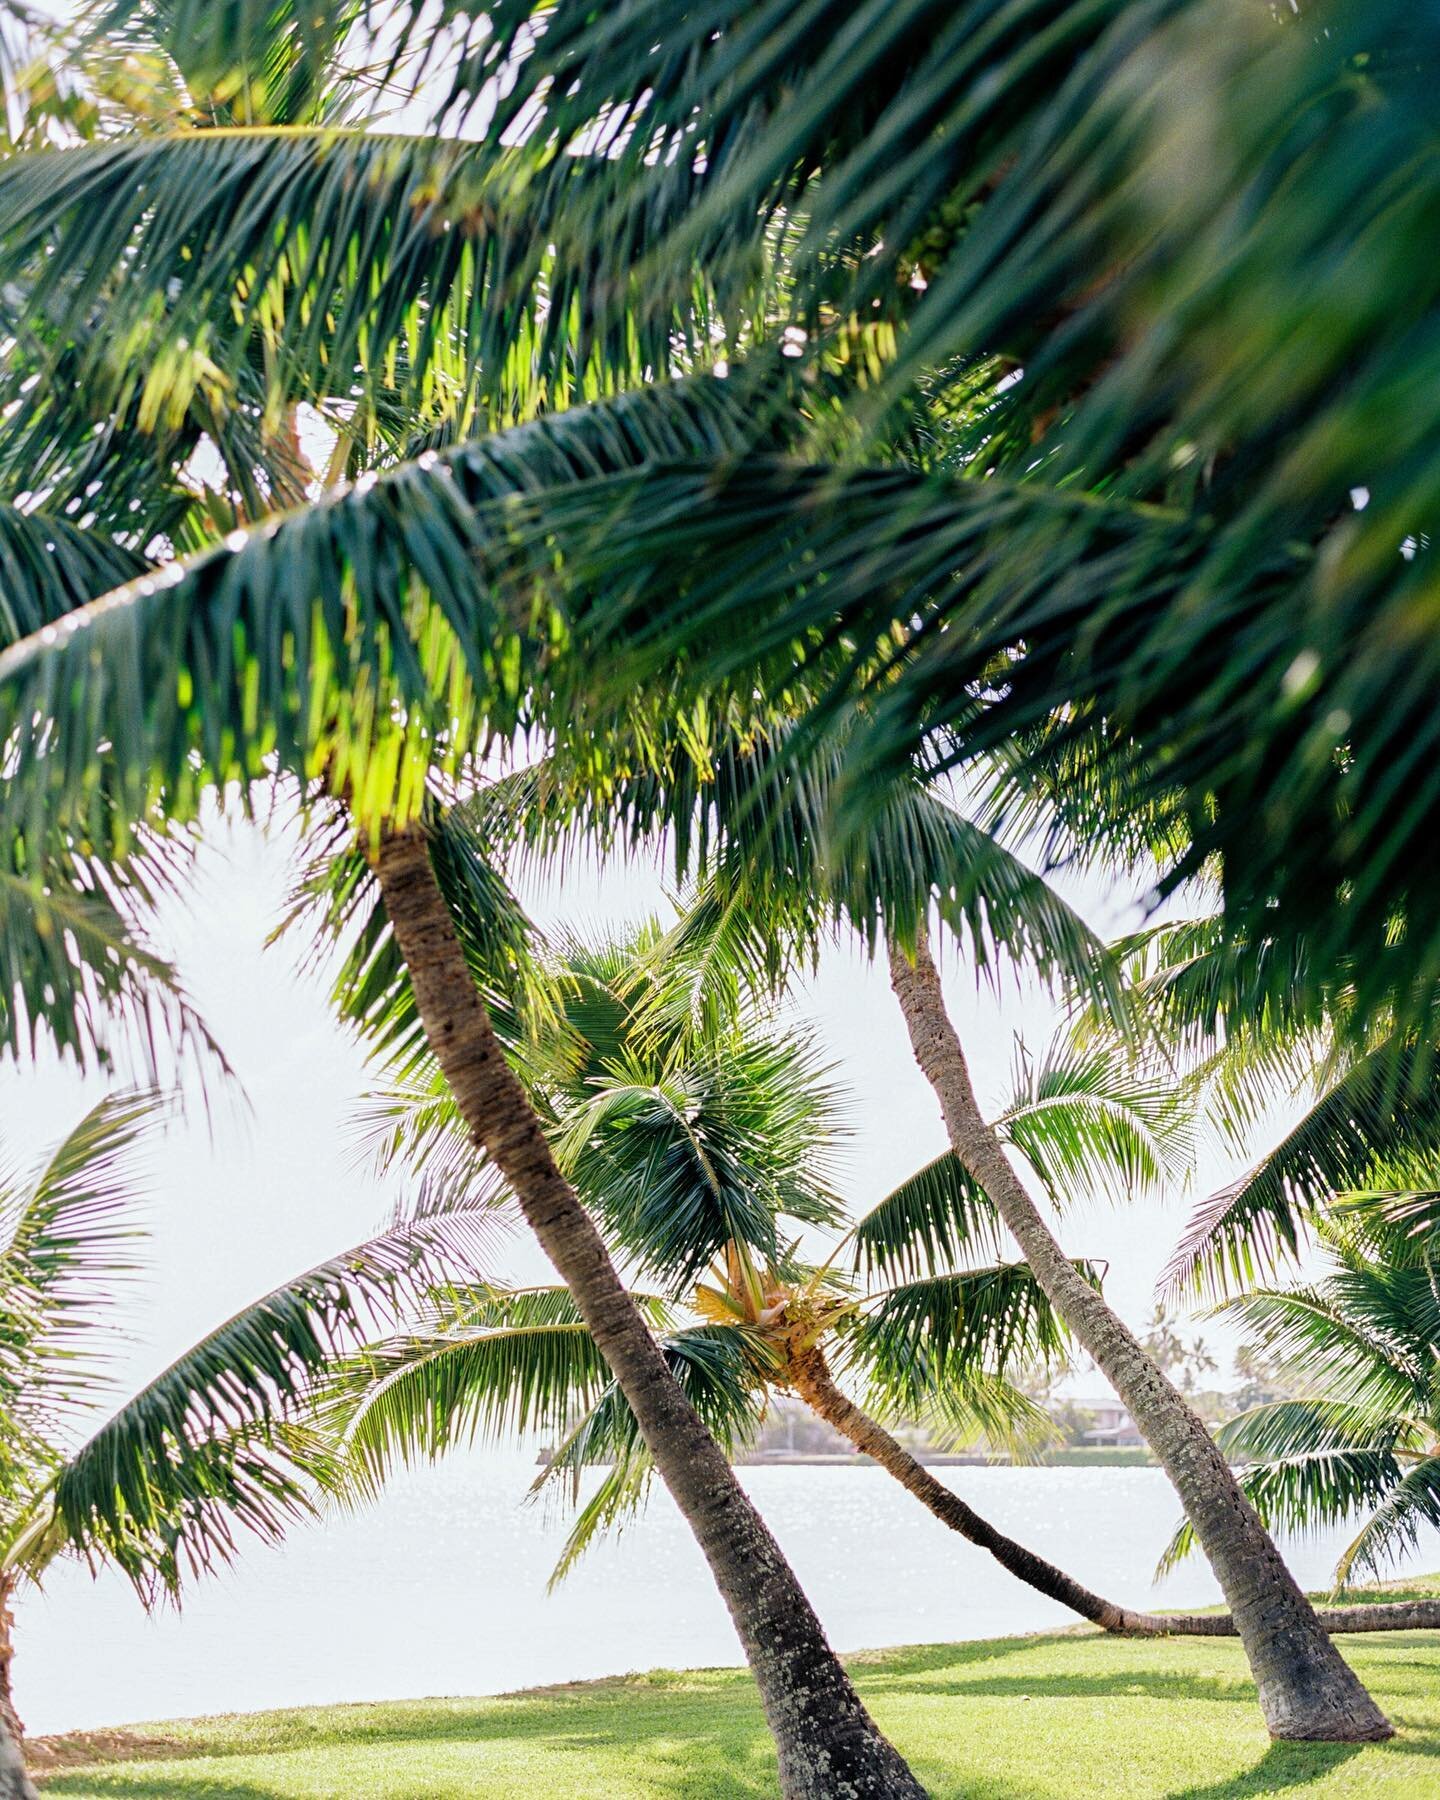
(1063, 1716)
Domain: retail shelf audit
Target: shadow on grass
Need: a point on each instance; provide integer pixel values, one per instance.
(1125, 1684)
(149, 1784)
(1283, 1766)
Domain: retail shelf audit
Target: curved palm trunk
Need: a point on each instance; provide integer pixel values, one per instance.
(1306, 1688)
(809, 1375)
(829, 1747)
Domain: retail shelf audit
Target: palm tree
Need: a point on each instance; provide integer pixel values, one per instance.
(223, 1441)
(1361, 1440)
(388, 631)
(691, 1130)
(462, 337)
(760, 826)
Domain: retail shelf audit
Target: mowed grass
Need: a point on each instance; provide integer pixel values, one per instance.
(1062, 1716)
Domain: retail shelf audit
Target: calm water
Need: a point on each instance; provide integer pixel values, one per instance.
(441, 1590)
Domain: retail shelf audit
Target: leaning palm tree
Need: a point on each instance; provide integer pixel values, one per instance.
(1360, 1442)
(439, 337)
(691, 1132)
(222, 1444)
(759, 824)
(531, 581)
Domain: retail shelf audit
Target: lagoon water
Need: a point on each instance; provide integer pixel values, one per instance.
(441, 1589)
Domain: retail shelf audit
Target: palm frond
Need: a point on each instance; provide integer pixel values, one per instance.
(49, 566)
(377, 637)
(222, 1437)
(1379, 1114)
(916, 1341)
(418, 272)
(714, 1366)
(1089, 1116)
(495, 1361)
(1304, 1493)
(936, 1218)
(75, 967)
(68, 1237)
(1320, 1332)
(1287, 1428)
(1409, 1512)
(336, 901)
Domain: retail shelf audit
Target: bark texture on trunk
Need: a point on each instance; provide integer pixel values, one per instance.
(1306, 1688)
(15, 1784)
(829, 1747)
(809, 1375)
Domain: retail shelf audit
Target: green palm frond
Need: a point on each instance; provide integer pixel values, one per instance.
(222, 1437)
(1088, 1116)
(936, 1218)
(1304, 1493)
(1379, 1114)
(495, 1361)
(715, 1368)
(1313, 1330)
(1409, 1512)
(68, 1236)
(978, 1408)
(274, 60)
(1038, 170)
(75, 967)
(1287, 1428)
(1360, 1439)
(48, 566)
(917, 1340)
(336, 901)
(375, 637)
(417, 271)
(680, 1165)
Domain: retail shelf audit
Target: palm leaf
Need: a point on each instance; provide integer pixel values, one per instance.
(221, 1438)
(68, 1234)
(938, 1217)
(372, 636)
(48, 566)
(714, 1366)
(917, 1340)
(1379, 1114)
(1305, 1493)
(497, 1361)
(1087, 1116)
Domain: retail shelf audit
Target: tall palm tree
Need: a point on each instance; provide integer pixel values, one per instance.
(222, 1442)
(1360, 1442)
(691, 1131)
(759, 822)
(450, 348)
(526, 572)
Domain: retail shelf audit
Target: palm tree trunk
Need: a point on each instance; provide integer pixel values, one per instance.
(809, 1374)
(15, 1784)
(1306, 1688)
(828, 1745)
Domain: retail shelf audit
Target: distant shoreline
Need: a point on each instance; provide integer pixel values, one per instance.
(1059, 1459)
(1108, 1458)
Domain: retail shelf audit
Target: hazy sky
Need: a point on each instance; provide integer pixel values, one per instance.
(254, 1194)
